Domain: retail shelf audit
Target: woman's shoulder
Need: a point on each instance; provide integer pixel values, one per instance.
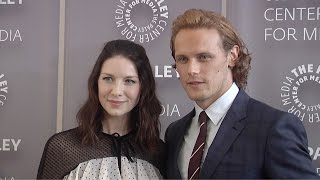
(58, 155)
(66, 133)
(63, 138)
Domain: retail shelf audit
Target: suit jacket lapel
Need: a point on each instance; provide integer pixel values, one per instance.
(182, 128)
(230, 128)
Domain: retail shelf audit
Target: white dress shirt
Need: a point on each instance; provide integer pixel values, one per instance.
(216, 112)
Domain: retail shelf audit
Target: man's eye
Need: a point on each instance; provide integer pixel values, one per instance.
(204, 57)
(181, 59)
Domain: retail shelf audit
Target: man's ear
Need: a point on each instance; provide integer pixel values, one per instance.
(232, 56)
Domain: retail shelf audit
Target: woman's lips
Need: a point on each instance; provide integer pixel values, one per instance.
(115, 102)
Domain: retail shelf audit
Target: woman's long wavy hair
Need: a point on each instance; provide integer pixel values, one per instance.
(197, 19)
(146, 113)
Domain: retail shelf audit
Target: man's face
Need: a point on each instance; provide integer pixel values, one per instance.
(203, 65)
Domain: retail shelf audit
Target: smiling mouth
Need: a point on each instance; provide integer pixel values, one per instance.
(113, 102)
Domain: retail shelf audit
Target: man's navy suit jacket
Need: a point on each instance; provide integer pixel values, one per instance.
(254, 141)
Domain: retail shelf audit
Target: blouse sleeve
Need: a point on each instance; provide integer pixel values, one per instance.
(52, 164)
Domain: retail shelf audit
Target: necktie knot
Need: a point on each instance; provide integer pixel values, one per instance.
(202, 117)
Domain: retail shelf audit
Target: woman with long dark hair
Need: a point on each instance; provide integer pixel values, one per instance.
(119, 128)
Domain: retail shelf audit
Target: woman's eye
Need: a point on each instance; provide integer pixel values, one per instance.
(108, 79)
(130, 81)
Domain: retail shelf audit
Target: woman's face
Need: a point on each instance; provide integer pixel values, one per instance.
(118, 86)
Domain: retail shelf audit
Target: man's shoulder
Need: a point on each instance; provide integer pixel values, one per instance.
(178, 125)
(183, 120)
(265, 111)
(257, 105)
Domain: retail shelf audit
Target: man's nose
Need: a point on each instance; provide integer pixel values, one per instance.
(193, 67)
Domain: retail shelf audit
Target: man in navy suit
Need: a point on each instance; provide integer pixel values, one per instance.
(244, 138)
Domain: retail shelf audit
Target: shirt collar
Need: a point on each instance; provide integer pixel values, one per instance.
(220, 107)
